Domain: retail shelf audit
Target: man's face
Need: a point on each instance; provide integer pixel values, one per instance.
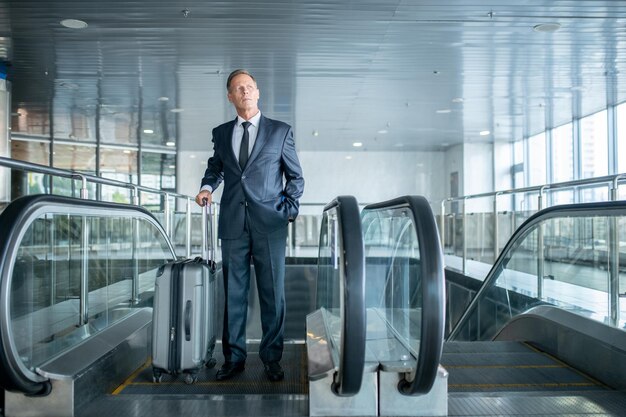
(243, 93)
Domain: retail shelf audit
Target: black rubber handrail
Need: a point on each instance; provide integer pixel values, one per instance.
(433, 292)
(14, 219)
(601, 209)
(347, 380)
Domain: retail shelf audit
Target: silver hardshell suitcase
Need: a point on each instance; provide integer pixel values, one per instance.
(184, 314)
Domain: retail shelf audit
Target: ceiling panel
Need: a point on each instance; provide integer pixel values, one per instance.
(395, 75)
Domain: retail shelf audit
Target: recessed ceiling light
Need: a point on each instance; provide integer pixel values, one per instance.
(177, 110)
(382, 131)
(357, 144)
(348, 157)
(315, 133)
(192, 156)
(547, 27)
(170, 143)
(484, 132)
(73, 23)
(163, 98)
(457, 100)
(126, 151)
(172, 166)
(149, 131)
(443, 111)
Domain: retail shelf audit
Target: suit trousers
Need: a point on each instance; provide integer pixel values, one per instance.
(267, 251)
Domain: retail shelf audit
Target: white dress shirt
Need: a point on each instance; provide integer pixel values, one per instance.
(252, 132)
(253, 129)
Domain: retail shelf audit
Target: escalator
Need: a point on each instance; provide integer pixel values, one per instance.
(77, 274)
(78, 280)
(544, 333)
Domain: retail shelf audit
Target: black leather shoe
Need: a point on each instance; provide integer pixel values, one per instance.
(274, 372)
(229, 370)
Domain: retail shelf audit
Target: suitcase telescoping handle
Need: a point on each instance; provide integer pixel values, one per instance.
(208, 251)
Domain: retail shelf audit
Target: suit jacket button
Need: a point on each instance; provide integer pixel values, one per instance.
(243, 177)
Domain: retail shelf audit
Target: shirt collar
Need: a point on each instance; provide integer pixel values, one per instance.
(254, 120)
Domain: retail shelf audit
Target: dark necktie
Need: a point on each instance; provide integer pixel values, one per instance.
(243, 150)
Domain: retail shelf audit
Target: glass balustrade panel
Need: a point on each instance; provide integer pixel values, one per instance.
(564, 262)
(55, 253)
(330, 275)
(393, 275)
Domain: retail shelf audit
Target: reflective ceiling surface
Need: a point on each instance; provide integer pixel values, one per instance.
(394, 75)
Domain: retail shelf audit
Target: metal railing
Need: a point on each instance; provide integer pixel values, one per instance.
(133, 188)
(610, 181)
(574, 287)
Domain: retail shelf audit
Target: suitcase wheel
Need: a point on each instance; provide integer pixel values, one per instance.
(190, 379)
(211, 363)
(157, 377)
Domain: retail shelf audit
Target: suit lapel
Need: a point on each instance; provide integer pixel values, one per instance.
(261, 138)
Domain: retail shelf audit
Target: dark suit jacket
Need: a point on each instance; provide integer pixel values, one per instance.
(271, 202)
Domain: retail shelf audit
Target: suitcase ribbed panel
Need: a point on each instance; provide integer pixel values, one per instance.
(184, 296)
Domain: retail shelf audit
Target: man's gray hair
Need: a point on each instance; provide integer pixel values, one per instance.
(236, 73)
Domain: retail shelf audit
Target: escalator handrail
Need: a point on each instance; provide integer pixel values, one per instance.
(433, 289)
(14, 220)
(352, 350)
(599, 209)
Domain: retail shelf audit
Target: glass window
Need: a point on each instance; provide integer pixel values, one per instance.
(621, 137)
(517, 170)
(75, 123)
(158, 170)
(518, 152)
(74, 158)
(74, 110)
(562, 197)
(26, 183)
(118, 125)
(158, 126)
(537, 159)
(35, 152)
(594, 149)
(563, 153)
(31, 121)
(119, 165)
(119, 115)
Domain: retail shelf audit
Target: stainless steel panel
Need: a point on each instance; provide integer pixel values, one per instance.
(393, 403)
(322, 401)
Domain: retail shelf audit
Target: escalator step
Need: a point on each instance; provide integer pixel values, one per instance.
(252, 381)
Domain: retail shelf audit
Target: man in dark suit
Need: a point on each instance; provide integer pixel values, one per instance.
(256, 158)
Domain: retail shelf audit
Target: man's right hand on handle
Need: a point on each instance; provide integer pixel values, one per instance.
(204, 197)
